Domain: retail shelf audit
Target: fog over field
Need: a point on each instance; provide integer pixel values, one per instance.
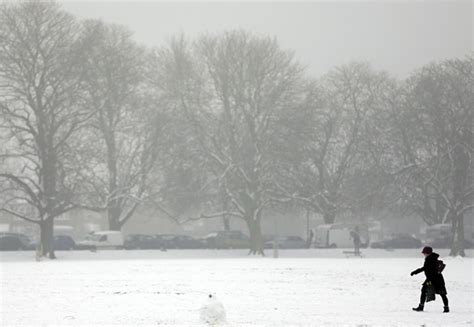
(242, 163)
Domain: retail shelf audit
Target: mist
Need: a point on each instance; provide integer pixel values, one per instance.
(171, 153)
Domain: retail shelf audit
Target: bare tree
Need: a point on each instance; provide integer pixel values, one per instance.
(433, 135)
(324, 135)
(231, 88)
(42, 51)
(123, 135)
(251, 81)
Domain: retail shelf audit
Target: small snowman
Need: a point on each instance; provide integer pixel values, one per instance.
(212, 311)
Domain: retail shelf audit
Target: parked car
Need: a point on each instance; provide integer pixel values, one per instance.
(468, 244)
(64, 243)
(437, 231)
(25, 241)
(134, 241)
(166, 240)
(187, 242)
(10, 243)
(446, 242)
(227, 240)
(401, 241)
(153, 242)
(61, 243)
(286, 242)
(146, 242)
(102, 240)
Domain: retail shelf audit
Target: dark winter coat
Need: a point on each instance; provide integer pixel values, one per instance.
(356, 238)
(431, 272)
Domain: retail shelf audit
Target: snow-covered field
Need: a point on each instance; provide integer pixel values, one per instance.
(302, 287)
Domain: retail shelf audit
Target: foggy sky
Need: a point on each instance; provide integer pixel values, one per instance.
(396, 36)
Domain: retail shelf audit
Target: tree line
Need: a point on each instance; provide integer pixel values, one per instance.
(227, 125)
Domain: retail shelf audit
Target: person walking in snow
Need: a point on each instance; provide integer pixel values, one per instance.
(434, 283)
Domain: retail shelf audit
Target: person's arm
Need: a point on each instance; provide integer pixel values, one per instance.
(417, 271)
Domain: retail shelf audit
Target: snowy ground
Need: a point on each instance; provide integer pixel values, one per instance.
(302, 287)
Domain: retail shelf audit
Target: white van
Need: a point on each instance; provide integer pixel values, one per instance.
(64, 230)
(102, 240)
(340, 238)
(333, 236)
(438, 231)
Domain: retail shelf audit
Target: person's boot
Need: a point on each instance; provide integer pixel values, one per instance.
(446, 309)
(419, 308)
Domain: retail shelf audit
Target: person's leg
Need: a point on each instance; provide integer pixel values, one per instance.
(422, 299)
(423, 295)
(445, 302)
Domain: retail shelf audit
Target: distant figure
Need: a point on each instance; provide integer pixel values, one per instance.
(356, 240)
(212, 312)
(434, 283)
(309, 241)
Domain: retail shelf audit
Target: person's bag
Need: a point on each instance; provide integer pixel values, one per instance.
(440, 265)
(430, 292)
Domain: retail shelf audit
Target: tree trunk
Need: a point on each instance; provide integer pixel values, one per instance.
(462, 253)
(113, 206)
(226, 222)
(460, 180)
(47, 237)
(113, 215)
(225, 207)
(256, 239)
(457, 245)
(309, 232)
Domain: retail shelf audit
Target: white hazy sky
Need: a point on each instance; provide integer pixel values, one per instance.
(396, 36)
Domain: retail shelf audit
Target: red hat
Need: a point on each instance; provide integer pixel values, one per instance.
(427, 250)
